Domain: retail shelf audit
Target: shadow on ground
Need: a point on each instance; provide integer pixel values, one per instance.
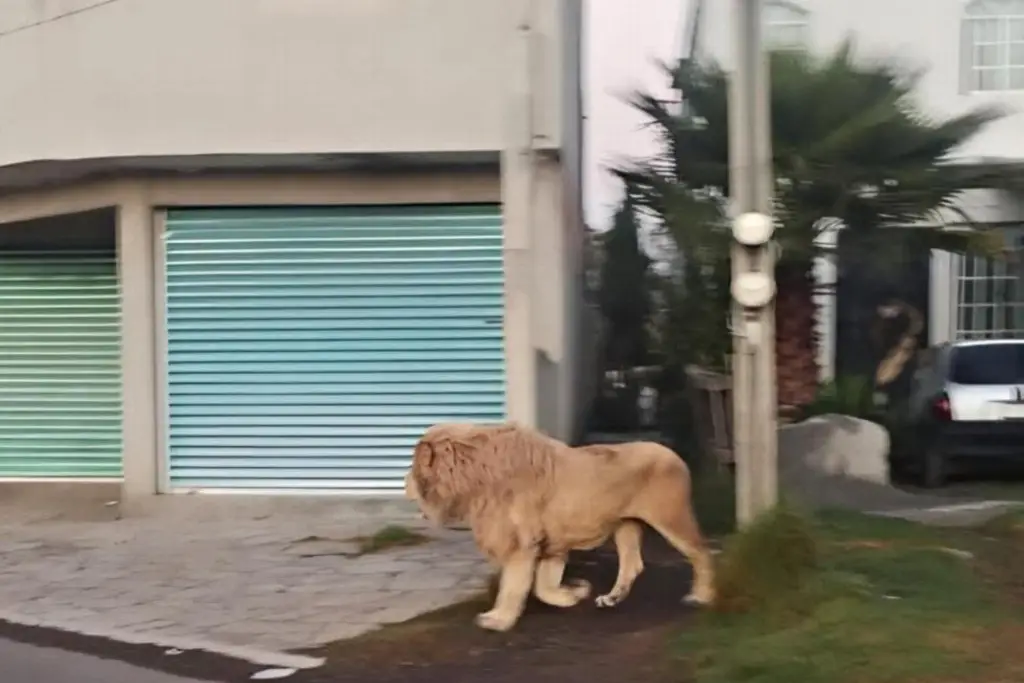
(627, 643)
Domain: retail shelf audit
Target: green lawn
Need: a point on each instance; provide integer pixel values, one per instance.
(863, 600)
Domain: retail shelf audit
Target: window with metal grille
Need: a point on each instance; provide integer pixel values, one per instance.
(786, 25)
(993, 45)
(990, 297)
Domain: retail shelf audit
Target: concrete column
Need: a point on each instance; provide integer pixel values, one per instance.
(550, 293)
(135, 256)
(518, 184)
(826, 274)
(521, 366)
(942, 297)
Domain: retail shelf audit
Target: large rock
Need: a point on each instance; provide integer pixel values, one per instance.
(839, 461)
(835, 445)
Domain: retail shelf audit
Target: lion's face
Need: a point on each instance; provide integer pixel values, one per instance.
(413, 493)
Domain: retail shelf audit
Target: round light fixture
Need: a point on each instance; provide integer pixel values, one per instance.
(752, 229)
(753, 290)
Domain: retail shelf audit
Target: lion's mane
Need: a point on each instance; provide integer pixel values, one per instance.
(495, 477)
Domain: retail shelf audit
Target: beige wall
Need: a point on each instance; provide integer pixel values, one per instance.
(181, 77)
(538, 328)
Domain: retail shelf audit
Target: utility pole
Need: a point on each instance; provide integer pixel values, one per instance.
(755, 430)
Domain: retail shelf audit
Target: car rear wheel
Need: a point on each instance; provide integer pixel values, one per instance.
(933, 469)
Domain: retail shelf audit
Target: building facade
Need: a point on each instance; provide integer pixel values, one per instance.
(972, 52)
(260, 245)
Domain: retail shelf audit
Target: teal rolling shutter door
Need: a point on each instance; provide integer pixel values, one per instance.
(60, 365)
(310, 348)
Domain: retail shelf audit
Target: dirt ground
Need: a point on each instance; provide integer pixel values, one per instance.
(548, 645)
(626, 643)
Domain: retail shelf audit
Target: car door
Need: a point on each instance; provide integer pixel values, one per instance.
(985, 380)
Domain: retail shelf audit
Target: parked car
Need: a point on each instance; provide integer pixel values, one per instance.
(965, 408)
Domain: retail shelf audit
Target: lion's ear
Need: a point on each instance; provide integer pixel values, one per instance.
(424, 452)
(463, 449)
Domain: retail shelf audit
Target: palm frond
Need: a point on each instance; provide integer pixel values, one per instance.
(850, 142)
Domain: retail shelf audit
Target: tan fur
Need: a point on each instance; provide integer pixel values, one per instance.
(530, 499)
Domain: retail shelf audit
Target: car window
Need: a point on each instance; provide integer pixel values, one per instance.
(988, 364)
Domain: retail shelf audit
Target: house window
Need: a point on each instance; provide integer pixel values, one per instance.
(990, 296)
(993, 45)
(785, 25)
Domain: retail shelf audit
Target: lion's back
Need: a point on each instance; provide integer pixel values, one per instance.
(644, 458)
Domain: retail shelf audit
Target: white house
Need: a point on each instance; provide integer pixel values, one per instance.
(973, 51)
(260, 245)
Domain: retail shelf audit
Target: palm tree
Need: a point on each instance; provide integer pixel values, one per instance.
(850, 144)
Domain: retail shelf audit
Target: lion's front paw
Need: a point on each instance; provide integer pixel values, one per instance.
(700, 599)
(495, 621)
(606, 600)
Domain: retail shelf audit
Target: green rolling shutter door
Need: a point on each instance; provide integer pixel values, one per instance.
(60, 376)
(309, 348)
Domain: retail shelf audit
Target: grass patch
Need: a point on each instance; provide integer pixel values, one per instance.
(391, 536)
(1010, 524)
(767, 563)
(841, 597)
(714, 500)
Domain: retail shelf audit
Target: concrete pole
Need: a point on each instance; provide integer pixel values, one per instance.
(751, 187)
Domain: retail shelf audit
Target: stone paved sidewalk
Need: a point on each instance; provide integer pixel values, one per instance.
(275, 577)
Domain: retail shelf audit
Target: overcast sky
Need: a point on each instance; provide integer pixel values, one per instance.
(622, 41)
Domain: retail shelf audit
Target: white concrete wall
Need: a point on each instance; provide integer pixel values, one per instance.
(162, 77)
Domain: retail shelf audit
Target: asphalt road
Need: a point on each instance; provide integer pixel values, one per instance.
(20, 663)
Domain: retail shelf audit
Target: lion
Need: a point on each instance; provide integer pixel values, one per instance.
(530, 499)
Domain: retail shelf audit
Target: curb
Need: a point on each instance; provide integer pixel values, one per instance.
(938, 512)
(252, 655)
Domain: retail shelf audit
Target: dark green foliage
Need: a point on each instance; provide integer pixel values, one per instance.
(623, 295)
(615, 408)
(845, 395)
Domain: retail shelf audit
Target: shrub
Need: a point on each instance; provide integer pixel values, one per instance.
(714, 500)
(767, 562)
(845, 395)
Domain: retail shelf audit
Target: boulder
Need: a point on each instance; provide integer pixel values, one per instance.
(835, 446)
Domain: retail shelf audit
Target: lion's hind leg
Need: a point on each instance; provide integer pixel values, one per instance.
(513, 589)
(628, 544)
(670, 513)
(548, 584)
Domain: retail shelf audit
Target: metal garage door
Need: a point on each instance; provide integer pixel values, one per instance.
(60, 366)
(309, 348)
